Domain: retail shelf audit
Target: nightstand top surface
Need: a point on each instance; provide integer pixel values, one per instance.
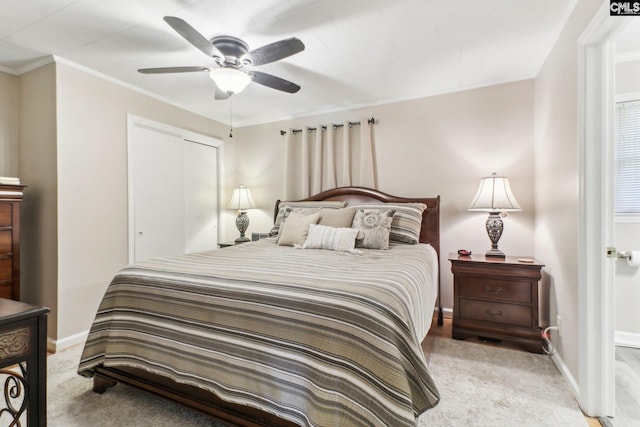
(482, 258)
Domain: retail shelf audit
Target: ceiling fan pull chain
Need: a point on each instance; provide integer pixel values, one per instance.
(230, 119)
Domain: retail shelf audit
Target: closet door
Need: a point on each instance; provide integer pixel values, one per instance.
(158, 193)
(173, 185)
(200, 197)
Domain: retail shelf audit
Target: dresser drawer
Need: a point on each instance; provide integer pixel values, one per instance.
(495, 289)
(6, 268)
(5, 290)
(511, 314)
(5, 214)
(5, 241)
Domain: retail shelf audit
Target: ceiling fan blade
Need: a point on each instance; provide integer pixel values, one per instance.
(194, 37)
(276, 51)
(274, 82)
(166, 70)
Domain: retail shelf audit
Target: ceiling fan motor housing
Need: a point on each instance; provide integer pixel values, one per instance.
(233, 49)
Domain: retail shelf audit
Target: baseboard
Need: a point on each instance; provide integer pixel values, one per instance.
(627, 339)
(55, 346)
(571, 381)
(446, 312)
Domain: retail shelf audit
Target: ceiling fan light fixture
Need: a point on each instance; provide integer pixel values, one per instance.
(230, 79)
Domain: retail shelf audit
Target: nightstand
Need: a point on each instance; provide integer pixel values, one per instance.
(23, 338)
(226, 244)
(499, 298)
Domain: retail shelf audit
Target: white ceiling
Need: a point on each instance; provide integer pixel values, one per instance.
(358, 52)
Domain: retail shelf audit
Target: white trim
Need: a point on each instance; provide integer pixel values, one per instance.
(627, 57)
(627, 219)
(67, 342)
(187, 136)
(8, 71)
(566, 373)
(596, 356)
(40, 62)
(629, 96)
(126, 85)
(628, 339)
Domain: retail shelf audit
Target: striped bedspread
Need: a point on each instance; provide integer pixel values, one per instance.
(317, 337)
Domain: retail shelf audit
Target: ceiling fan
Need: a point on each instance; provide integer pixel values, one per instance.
(232, 58)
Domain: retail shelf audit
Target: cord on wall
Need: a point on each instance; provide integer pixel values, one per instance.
(545, 336)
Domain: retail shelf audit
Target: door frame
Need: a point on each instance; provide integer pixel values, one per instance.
(187, 136)
(596, 96)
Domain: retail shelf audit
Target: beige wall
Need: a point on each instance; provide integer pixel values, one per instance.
(73, 157)
(628, 77)
(556, 178)
(627, 235)
(440, 145)
(38, 170)
(9, 104)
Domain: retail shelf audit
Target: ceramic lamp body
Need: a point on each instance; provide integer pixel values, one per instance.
(242, 222)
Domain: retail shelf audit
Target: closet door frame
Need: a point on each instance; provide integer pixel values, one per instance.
(188, 137)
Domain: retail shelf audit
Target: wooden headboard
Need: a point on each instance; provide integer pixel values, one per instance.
(430, 232)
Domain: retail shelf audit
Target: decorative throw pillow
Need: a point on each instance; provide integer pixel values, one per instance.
(341, 218)
(407, 221)
(375, 225)
(334, 238)
(295, 227)
(315, 205)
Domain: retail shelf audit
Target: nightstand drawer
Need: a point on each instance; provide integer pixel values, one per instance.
(512, 314)
(495, 289)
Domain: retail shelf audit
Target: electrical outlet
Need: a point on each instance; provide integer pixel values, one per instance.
(559, 323)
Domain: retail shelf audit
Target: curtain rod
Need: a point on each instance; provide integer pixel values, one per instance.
(371, 121)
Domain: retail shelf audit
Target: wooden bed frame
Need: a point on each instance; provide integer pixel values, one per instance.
(240, 415)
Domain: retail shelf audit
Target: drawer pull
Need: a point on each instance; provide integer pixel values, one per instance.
(497, 313)
(497, 291)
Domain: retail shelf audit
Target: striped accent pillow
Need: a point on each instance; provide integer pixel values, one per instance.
(305, 208)
(407, 220)
(334, 238)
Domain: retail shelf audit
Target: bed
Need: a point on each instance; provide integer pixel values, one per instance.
(262, 334)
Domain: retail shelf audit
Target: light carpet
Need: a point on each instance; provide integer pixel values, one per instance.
(480, 385)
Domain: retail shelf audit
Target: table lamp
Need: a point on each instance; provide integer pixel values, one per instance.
(241, 200)
(494, 196)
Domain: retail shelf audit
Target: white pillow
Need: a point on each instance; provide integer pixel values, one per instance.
(334, 238)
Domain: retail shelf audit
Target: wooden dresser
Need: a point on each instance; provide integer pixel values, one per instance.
(499, 298)
(10, 199)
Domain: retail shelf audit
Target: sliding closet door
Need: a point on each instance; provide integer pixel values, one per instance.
(158, 190)
(201, 197)
(173, 186)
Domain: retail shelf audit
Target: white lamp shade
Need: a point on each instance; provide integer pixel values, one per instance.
(229, 79)
(494, 195)
(241, 199)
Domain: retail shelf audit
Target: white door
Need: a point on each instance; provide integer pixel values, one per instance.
(201, 196)
(158, 193)
(173, 191)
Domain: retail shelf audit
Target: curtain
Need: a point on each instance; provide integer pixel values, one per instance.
(323, 157)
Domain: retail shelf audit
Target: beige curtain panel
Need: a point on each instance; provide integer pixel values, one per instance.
(317, 158)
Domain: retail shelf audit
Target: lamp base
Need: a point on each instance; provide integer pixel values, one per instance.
(495, 253)
(494, 230)
(242, 222)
